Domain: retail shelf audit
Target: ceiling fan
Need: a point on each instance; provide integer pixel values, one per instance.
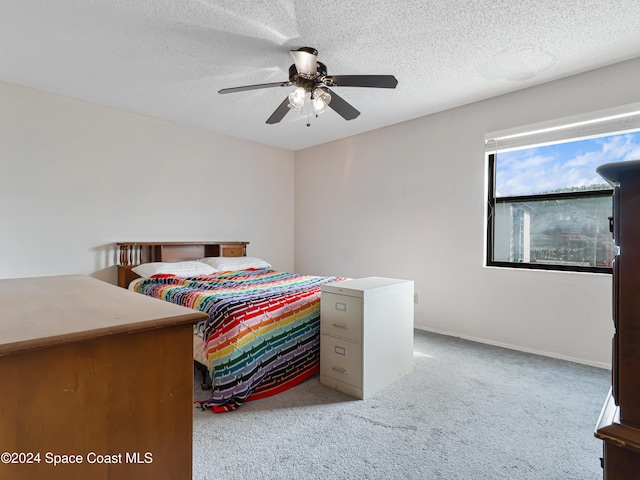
(311, 79)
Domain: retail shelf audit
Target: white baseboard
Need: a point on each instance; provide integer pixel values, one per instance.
(591, 363)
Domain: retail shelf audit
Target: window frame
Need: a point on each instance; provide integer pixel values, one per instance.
(493, 201)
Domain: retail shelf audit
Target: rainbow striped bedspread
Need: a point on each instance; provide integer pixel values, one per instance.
(263, 332)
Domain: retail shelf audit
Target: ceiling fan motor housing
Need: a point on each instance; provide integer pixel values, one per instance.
(308, 82)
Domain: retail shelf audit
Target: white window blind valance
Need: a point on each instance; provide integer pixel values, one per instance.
(611, 121)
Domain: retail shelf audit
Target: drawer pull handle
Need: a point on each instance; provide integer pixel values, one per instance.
(341, 306)
(339, 325)
(339, 370)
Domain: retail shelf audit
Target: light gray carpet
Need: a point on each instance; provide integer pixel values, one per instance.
(468, 411)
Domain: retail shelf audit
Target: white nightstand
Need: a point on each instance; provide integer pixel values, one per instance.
(366, 328)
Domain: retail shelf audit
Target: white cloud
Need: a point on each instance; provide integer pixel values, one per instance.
(587, 159)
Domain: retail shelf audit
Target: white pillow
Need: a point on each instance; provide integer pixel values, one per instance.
(225, 264)
(180, 269)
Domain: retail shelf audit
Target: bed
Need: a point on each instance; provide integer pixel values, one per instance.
(262, 334)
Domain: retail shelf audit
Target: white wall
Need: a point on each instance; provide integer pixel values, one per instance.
(76, 177)
(408, 201)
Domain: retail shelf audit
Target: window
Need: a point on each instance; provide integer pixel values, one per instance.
(547, 206)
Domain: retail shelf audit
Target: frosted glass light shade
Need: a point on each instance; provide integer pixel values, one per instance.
(296, 99)
(320, 101)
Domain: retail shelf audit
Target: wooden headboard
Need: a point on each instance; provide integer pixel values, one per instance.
(131, 254)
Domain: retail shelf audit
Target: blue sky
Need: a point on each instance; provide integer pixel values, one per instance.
(572, 164)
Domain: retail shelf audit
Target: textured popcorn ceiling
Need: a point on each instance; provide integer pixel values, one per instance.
(168, 58)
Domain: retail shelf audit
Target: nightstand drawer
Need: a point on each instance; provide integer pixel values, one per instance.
(341, 316)
(232, 250)
(341, 359)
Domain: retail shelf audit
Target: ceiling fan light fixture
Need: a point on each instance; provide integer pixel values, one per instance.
(320, 101)
(297, 98)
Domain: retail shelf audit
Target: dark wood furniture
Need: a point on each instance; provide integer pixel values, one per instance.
(93, 396)
(619, 423)
(131, 254)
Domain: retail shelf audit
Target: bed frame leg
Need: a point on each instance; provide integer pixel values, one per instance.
(206, 379)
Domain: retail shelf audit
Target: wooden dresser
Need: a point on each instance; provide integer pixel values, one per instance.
(619, 423)
(95, 378)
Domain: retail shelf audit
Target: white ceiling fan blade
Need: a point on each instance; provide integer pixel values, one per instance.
(305, 59)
